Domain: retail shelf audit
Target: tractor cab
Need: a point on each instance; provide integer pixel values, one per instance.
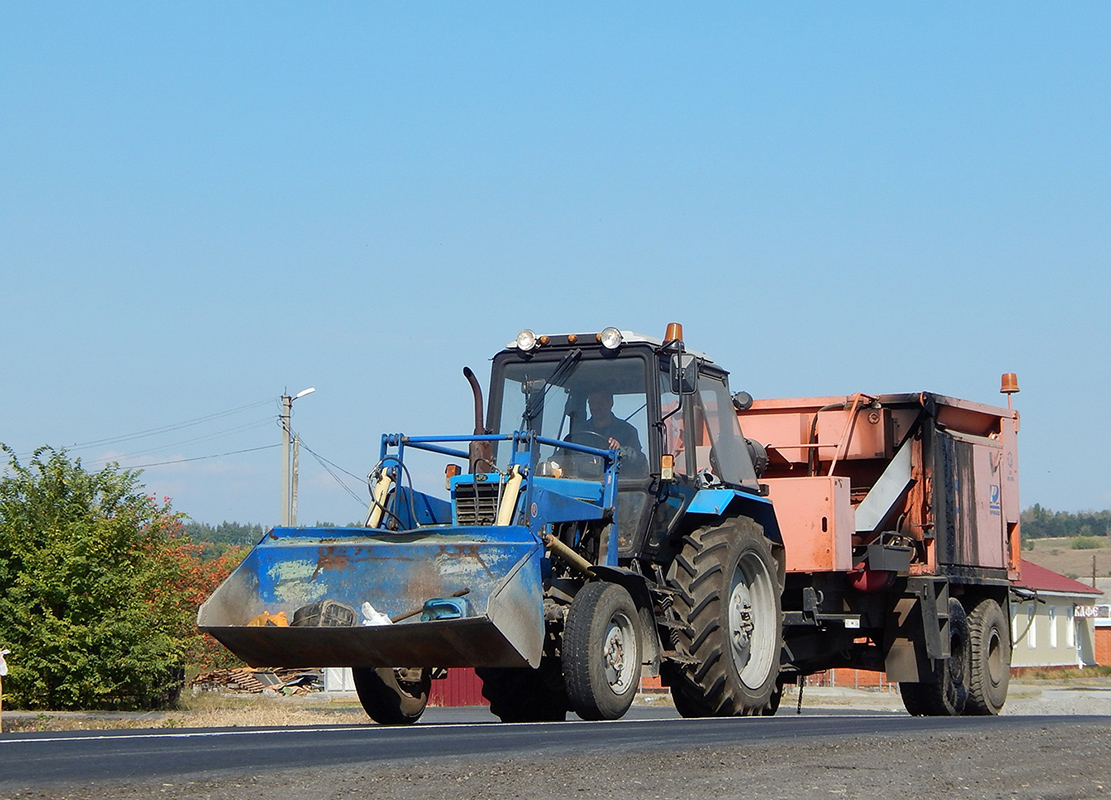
(668, 414)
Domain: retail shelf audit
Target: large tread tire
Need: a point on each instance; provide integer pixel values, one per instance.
(990, 659)
(946, 693)
(523, 694)
(728, 594)
(915, 698)
(392, 696)
(773, 704)
(602, 651)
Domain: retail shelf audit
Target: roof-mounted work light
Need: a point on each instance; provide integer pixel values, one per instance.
(526, 340)
(611, 338)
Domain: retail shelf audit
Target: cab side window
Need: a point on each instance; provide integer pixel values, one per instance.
(675, 439)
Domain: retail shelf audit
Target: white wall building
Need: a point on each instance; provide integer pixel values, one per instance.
(1055, 627)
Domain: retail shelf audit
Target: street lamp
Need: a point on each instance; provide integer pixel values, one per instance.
(287, 412)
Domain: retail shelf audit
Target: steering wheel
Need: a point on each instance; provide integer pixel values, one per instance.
(590, 439)
(586, 465)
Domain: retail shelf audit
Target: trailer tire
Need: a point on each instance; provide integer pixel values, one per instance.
(990, 659)
(523, 694)
(392, 696)
(728, 594)
(602, 651)
(946, 694)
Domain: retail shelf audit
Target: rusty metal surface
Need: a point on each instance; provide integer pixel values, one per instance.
(968, 502)
(500, 569)
(448, 643)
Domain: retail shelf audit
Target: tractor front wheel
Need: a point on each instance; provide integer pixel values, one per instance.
(391, 695)
(523, 694)
(601, 651)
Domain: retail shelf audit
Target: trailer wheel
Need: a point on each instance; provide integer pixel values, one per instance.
(523, 694)
(729, 596)
(946, 694)
(990, 659)
(601, 651)
(393, 696)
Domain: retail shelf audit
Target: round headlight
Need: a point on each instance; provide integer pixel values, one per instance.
(526, 340)
(610, 338)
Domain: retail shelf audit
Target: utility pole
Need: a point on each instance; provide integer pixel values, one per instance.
(288, 489)
(296, 472)
(287, 410)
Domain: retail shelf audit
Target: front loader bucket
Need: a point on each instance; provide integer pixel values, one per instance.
(496, 571)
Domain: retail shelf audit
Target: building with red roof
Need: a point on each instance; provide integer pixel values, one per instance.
(1052, 620)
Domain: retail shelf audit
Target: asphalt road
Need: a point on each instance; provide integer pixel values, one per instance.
(73, 764)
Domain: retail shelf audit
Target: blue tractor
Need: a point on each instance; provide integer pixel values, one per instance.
(605, 522)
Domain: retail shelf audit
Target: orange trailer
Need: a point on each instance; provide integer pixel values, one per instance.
(900, 522)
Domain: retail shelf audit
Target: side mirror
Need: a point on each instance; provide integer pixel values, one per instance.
(684, 374)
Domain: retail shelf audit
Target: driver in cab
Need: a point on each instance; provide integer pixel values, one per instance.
(618, 434)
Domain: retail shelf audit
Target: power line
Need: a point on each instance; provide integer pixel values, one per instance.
(324, 463)
(360, 478)
(167, 428)
(206, 438)
(202, 458)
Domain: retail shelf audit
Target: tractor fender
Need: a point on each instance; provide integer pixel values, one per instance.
(723, 504)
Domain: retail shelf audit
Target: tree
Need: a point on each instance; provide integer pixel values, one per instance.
(226, 533)
(93, 587)
(1039, 522)
(196, 572)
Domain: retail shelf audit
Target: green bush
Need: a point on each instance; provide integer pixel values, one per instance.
(89, 600)
(1086, 543)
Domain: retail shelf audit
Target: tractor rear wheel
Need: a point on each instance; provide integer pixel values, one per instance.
(946, 694)
(523, 694)
(990, 656)
(728, 594)
(392, 695)
(601, 651)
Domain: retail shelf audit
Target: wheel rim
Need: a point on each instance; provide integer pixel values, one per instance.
(619, 657)
(410, 682)
(752, 624)
(995, 658)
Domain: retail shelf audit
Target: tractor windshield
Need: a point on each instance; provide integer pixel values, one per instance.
(600, 403)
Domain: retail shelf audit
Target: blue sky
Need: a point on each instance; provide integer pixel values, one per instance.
(205, 204)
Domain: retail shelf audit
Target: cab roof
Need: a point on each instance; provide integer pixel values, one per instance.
(592, 339)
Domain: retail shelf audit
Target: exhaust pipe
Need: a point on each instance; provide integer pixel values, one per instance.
(478, 451)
